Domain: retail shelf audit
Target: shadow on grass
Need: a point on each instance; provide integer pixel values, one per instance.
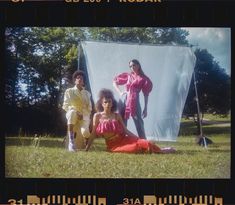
(217, 130)
(37, 143)
(196, 152)
(99, 145)
(190, 128)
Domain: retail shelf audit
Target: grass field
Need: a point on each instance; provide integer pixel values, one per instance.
(47, 158)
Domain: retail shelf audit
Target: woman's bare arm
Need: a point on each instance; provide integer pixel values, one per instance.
(117, 88)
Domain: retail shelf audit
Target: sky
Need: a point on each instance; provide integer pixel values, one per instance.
(217, 41)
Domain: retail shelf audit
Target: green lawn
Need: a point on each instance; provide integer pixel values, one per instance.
(27, 158)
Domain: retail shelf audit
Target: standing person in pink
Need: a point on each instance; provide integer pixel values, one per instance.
(134, 82)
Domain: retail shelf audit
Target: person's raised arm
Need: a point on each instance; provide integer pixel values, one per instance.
(120, 79)
(117, 88)
(93, 133)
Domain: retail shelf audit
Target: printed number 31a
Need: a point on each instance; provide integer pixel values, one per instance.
(14, 202)
(131, 201)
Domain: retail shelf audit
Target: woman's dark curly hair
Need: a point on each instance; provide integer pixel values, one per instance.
(108, 94)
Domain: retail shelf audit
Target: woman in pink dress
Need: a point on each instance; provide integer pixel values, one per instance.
(109, 125)
(134, 82)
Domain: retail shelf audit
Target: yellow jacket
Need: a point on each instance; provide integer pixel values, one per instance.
(77, 100)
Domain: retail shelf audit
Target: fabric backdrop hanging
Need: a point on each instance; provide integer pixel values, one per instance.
(169, 67)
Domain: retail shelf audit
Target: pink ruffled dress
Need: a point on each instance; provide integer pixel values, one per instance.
(134, 84)
(119, 142)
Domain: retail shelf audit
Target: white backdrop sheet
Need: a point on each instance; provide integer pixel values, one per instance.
(169, 67)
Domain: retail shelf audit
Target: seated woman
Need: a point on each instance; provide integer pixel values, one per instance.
(109, 125)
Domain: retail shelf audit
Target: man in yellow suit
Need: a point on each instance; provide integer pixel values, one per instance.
(77, 104)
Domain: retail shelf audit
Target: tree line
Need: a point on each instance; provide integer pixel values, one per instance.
(41, 60)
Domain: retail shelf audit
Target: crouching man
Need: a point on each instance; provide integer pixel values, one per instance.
(77, 104)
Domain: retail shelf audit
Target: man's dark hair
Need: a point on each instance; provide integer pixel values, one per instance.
(77, 73)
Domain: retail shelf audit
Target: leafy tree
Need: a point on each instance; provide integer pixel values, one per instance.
(41, 60)
(13, 65)
(38, 60)
(151, 35)
(213, 85)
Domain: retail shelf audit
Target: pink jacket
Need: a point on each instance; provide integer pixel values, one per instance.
(134, 84)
